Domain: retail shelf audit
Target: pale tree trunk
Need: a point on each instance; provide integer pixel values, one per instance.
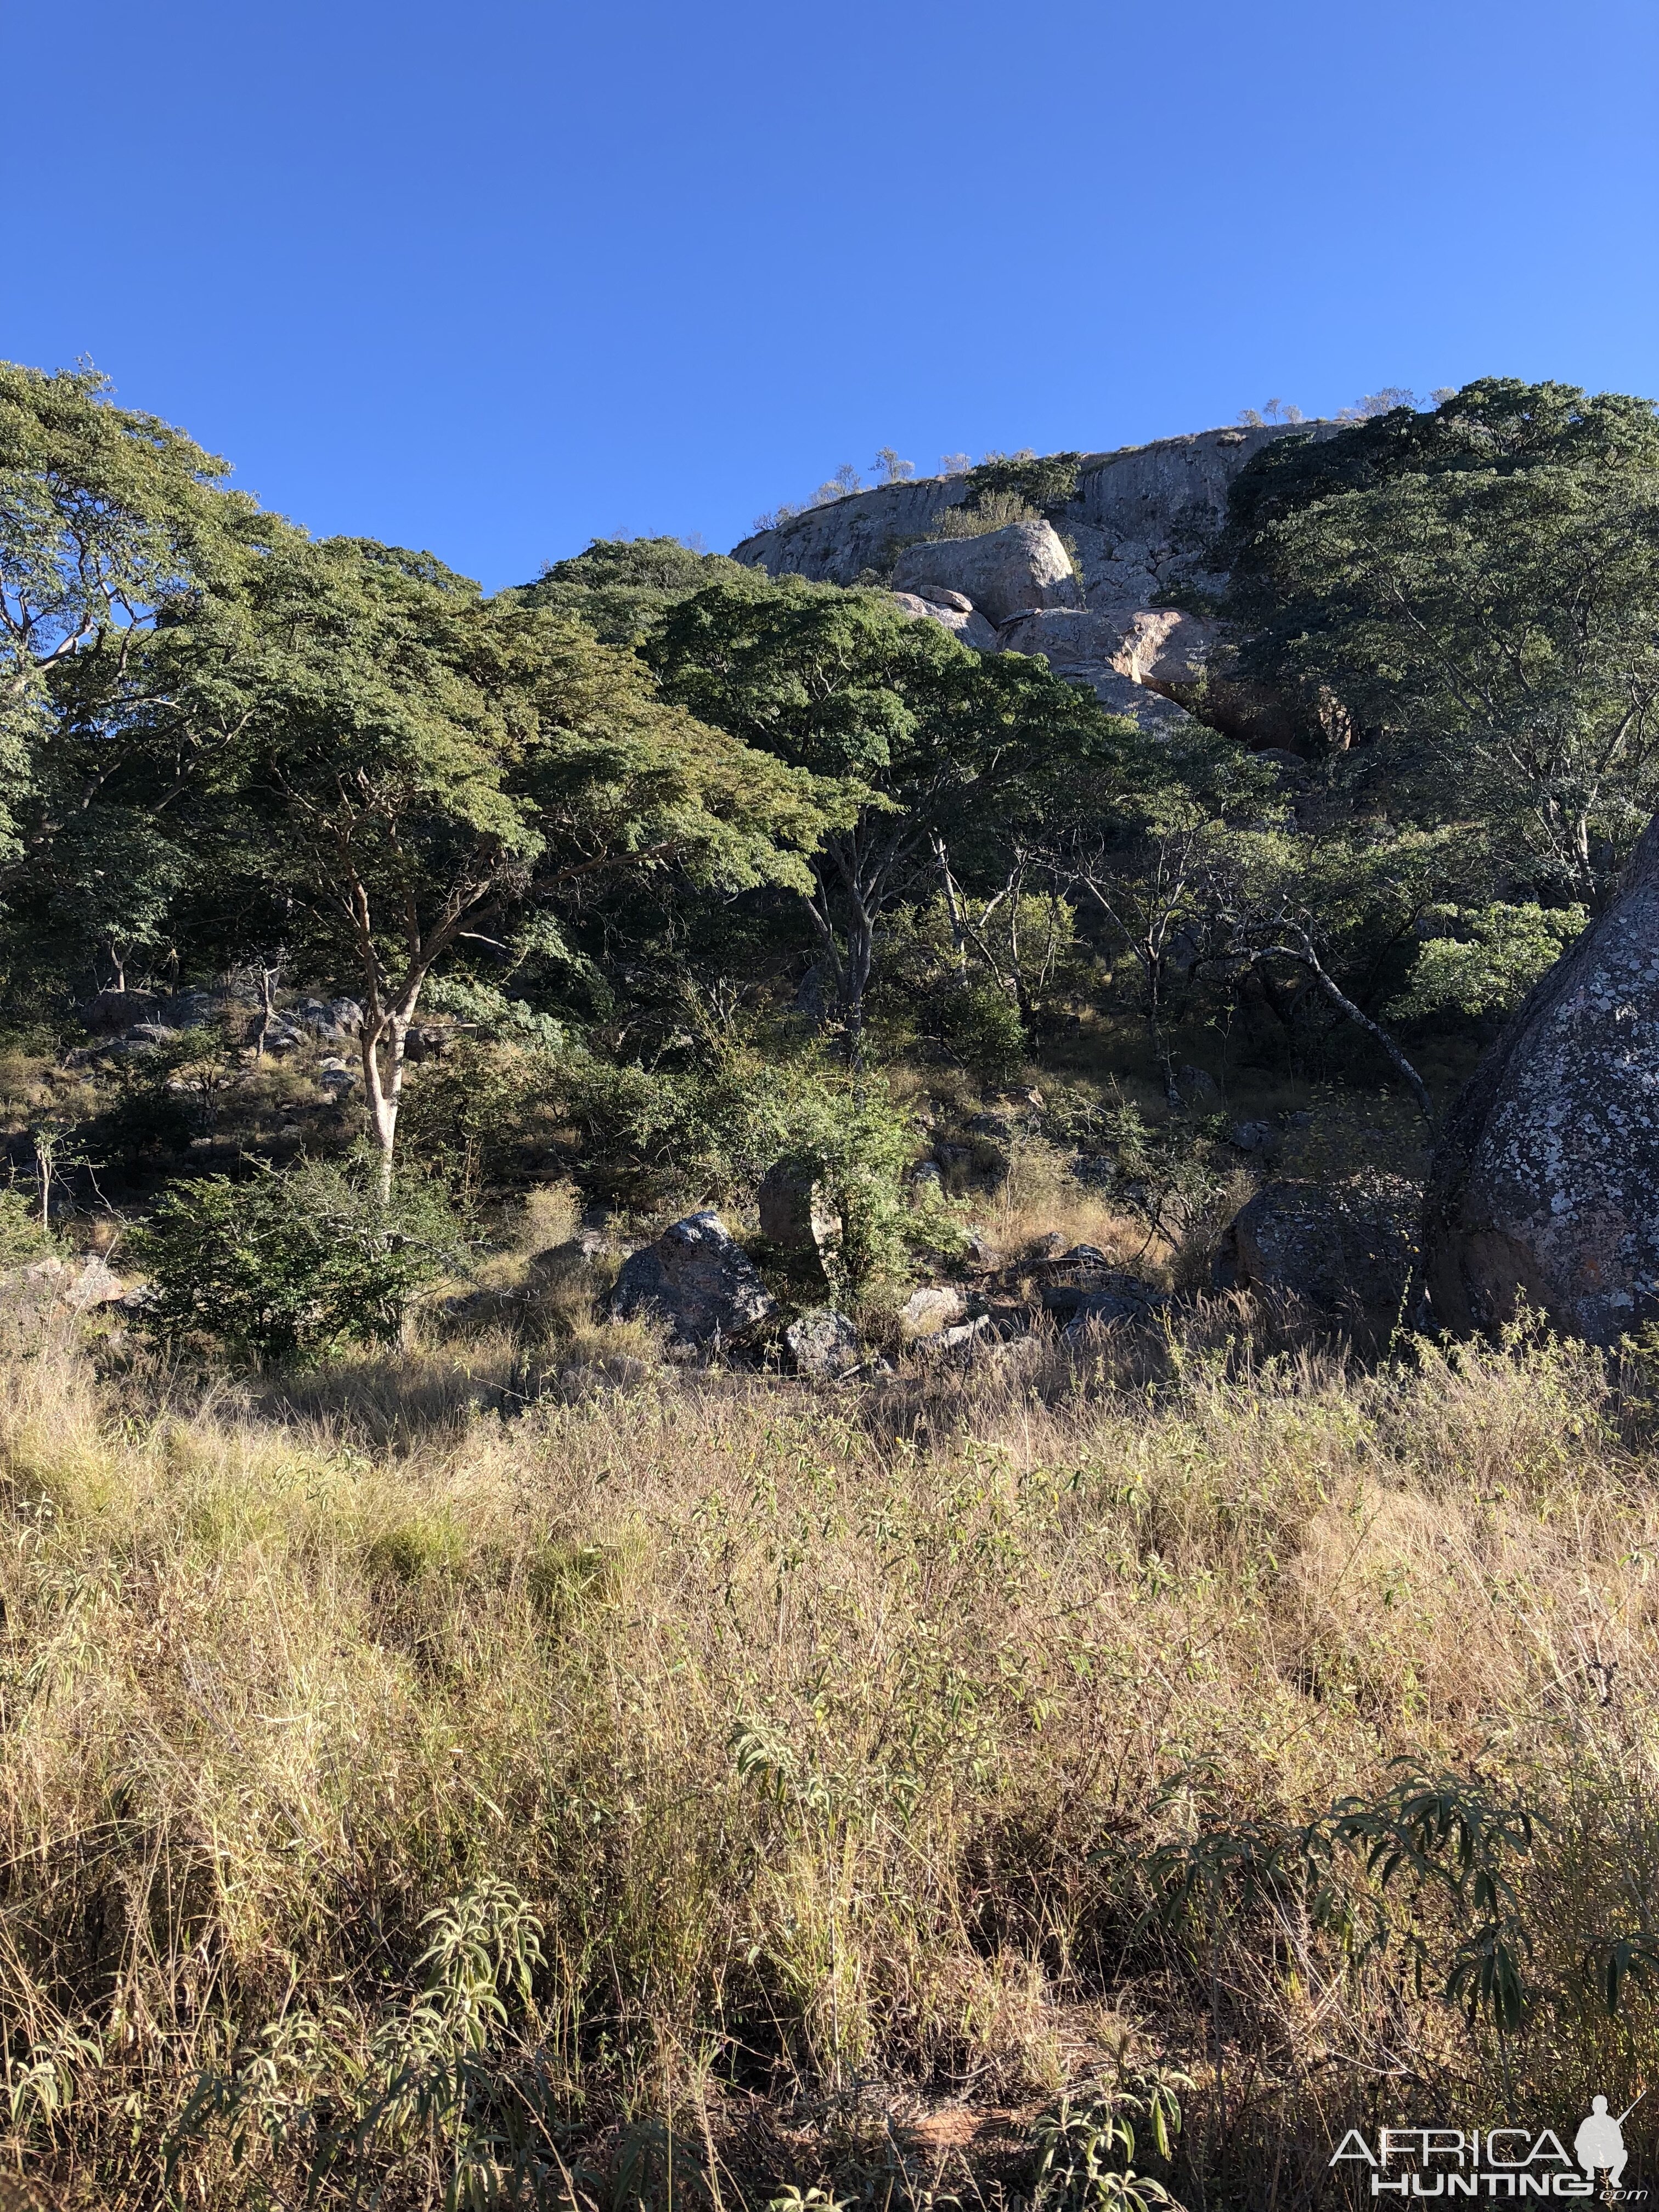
(384, 1087)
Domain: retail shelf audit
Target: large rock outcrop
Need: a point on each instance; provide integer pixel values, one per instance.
(1545, 1185)
(964, 622)
(1002, 574)
(1142, 525)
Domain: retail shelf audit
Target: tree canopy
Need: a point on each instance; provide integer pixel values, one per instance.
(1478, 588)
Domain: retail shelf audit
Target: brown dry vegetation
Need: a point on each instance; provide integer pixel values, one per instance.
(785, 1769)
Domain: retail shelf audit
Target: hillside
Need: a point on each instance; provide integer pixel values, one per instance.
(729, 1470)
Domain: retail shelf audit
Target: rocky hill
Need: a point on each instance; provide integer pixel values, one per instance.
(1085, 578)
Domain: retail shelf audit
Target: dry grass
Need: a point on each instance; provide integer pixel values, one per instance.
(825, 1739)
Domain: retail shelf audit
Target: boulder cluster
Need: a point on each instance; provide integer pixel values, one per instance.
(1087, 586)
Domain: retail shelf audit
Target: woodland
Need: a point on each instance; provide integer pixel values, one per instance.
(461, 1745)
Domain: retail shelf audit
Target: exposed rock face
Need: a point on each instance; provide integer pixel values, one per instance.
(1546, 1181)
(835, 544)
(698, 1278)
(970, 627)
(1346, 1253)
(1143, 522)
(1005, 573)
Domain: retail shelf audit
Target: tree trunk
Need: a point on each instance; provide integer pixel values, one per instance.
(860, 958)
(384, 1089)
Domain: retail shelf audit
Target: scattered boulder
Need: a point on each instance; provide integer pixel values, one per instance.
(964, 620)
(581, 1250)
(109, 1012)
(426, 1041)
(962, 1341)
(1102, 1295)
(698, 1280)
(935, 1307)
(1254, 1136)
(191, 1010)
(1199, 1091)
(335, 1021)
(798, 1216)
(1003, 573)
(1545, 1183)
(824, 1343)
(938, 596)
(1347, 1252)
(78, 1286)
(336, 1076)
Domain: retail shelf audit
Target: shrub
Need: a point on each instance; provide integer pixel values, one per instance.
(286, 1267)
(21, 1236)
(473, 1116)
(979, 1026)
(708, 1134)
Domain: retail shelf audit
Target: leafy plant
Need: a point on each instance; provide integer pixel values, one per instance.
(1084, 2147)
(1492, 968)
(285, 1268)
(21, 1236)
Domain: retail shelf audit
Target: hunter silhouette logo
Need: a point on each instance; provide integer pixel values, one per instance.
(1498, 2161)
(1599, 2145)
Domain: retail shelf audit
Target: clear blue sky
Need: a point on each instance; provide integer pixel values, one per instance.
(499, 276)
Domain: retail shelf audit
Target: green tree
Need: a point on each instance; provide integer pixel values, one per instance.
(620, 586)
(918, 733)
(1478, 587)
(118, 541)
(415, 764)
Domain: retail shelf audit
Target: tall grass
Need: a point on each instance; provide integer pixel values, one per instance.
(694, 1789)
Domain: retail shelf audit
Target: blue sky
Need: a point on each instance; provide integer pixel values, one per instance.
(496, 278)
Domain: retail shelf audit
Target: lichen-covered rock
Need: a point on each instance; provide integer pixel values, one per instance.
(824, 1343)
(1003, 573)
(1347, 1252)
(698, 1278)
(1545, 1184)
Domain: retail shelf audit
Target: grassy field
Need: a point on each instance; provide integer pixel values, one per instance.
(722, 1791)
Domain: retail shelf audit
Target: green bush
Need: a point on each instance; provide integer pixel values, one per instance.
(708, 1134)
(284, 1268)
(21, 1236)
(475, 1116)
(980, 1028)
